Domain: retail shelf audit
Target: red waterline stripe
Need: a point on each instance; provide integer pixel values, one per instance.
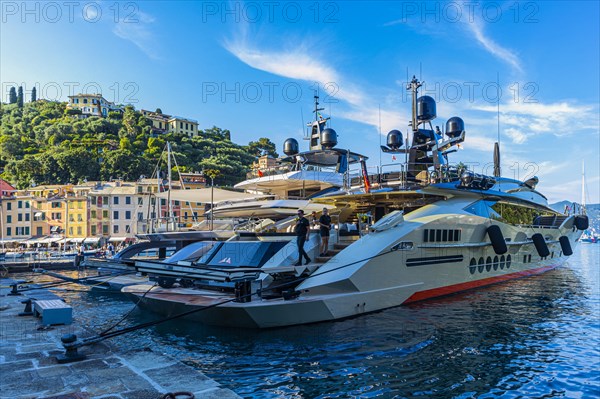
(451, 289)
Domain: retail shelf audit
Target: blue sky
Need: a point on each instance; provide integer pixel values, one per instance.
(251, 67)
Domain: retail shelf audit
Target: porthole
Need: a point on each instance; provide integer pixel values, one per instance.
(496, 261)
(488, 264)
(508, 261)
(473, 266)
(502, 262)
(481, 265)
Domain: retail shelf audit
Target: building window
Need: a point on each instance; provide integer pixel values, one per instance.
(78, 230)
(140, 200)
(70, 231)
(127, 215)
(93, 214)
(104, 214)
(27, 217)
(128, 200)
(105, 200)
(20, 205)
(93, 230)
(26, 204)
(105, 229)
(9, 231)
(85, 100)
(20, 217)
(115, 200)
(181, 125)
(8, 218)
(8, 206)
(115, 215)
(26, 230)
(140, 216)
(192, 128)
(115, 229)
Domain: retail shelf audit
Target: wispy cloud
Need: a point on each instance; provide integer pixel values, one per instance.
(139, 32)
(476, 29)
(299, 61)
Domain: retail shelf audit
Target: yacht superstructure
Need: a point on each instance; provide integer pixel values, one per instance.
(427, 230)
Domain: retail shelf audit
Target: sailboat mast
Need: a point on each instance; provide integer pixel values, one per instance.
(169, 177)
(583, 184)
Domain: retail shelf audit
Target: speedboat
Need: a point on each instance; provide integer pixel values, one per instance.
(428, 230)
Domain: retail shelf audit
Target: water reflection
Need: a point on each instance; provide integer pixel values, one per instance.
(536, 337)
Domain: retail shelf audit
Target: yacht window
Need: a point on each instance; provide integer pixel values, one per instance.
(473, 266)
(496, 262)
(191, 252)
(508, 260)
(403, 246)
(502, 262)
(484, 209)
(488, 264)
(481, 265)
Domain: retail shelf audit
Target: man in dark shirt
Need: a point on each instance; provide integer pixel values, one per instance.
(302, 230)
(325, 227)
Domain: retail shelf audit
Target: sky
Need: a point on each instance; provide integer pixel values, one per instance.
(253, 68)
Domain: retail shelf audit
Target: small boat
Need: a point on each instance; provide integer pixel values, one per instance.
(427, 230)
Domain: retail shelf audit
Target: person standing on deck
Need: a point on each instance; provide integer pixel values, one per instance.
(302, 230)
(325, 228)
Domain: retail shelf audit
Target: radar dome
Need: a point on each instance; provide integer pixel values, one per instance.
(328, 138)
(394, 139)
(291, 147)
(454, 126)
(426, 108)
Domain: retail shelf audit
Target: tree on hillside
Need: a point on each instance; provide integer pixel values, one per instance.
(20, 97)
(158, 111)
(12, 96)
(33, 95)
(263, 146)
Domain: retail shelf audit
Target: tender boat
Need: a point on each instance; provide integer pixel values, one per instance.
(427, 230)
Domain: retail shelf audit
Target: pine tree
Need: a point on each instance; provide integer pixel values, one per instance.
(20, 97)
(33, 94)
(12, 97)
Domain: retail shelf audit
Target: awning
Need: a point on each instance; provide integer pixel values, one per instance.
(50, 240)
(7, 241)
(203, 195)
(38, 214)
(54, 229)
(76, 240)
(117, 239)
(91, 240)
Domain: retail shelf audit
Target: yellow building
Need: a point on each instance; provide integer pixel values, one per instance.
(92, 105)
(15, 217)
(164, 123)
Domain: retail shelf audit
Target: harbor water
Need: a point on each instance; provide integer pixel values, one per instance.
(529, 338)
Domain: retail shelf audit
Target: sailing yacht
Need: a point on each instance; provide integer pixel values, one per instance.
(428, 230)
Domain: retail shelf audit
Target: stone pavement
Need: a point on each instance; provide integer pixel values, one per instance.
(28, 368)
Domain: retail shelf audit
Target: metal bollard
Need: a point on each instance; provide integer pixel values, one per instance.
(71, 345)
(28, 309)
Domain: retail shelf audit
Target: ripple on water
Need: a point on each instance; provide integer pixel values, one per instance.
(533, 337)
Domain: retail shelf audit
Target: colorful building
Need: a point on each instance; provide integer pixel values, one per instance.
(92, 105)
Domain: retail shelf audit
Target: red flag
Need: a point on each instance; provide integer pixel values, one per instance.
(260, 173)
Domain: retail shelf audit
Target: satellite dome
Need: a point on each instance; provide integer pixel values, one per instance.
(394, 139)
(328, 138)
(426, 109)
(454, 126)
(291, 147)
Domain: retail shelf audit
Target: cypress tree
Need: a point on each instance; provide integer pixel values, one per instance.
(33, 94)
(20, 97)
(12, 97)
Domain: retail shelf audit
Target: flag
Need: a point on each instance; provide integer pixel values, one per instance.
(260, 173)
(320, 116)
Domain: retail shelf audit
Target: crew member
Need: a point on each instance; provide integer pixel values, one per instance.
(302, 230)
(325, 227)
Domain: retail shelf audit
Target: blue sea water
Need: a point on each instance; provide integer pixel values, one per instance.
(536, 337)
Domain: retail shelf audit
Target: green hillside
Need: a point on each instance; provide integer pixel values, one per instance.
(42, 143)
